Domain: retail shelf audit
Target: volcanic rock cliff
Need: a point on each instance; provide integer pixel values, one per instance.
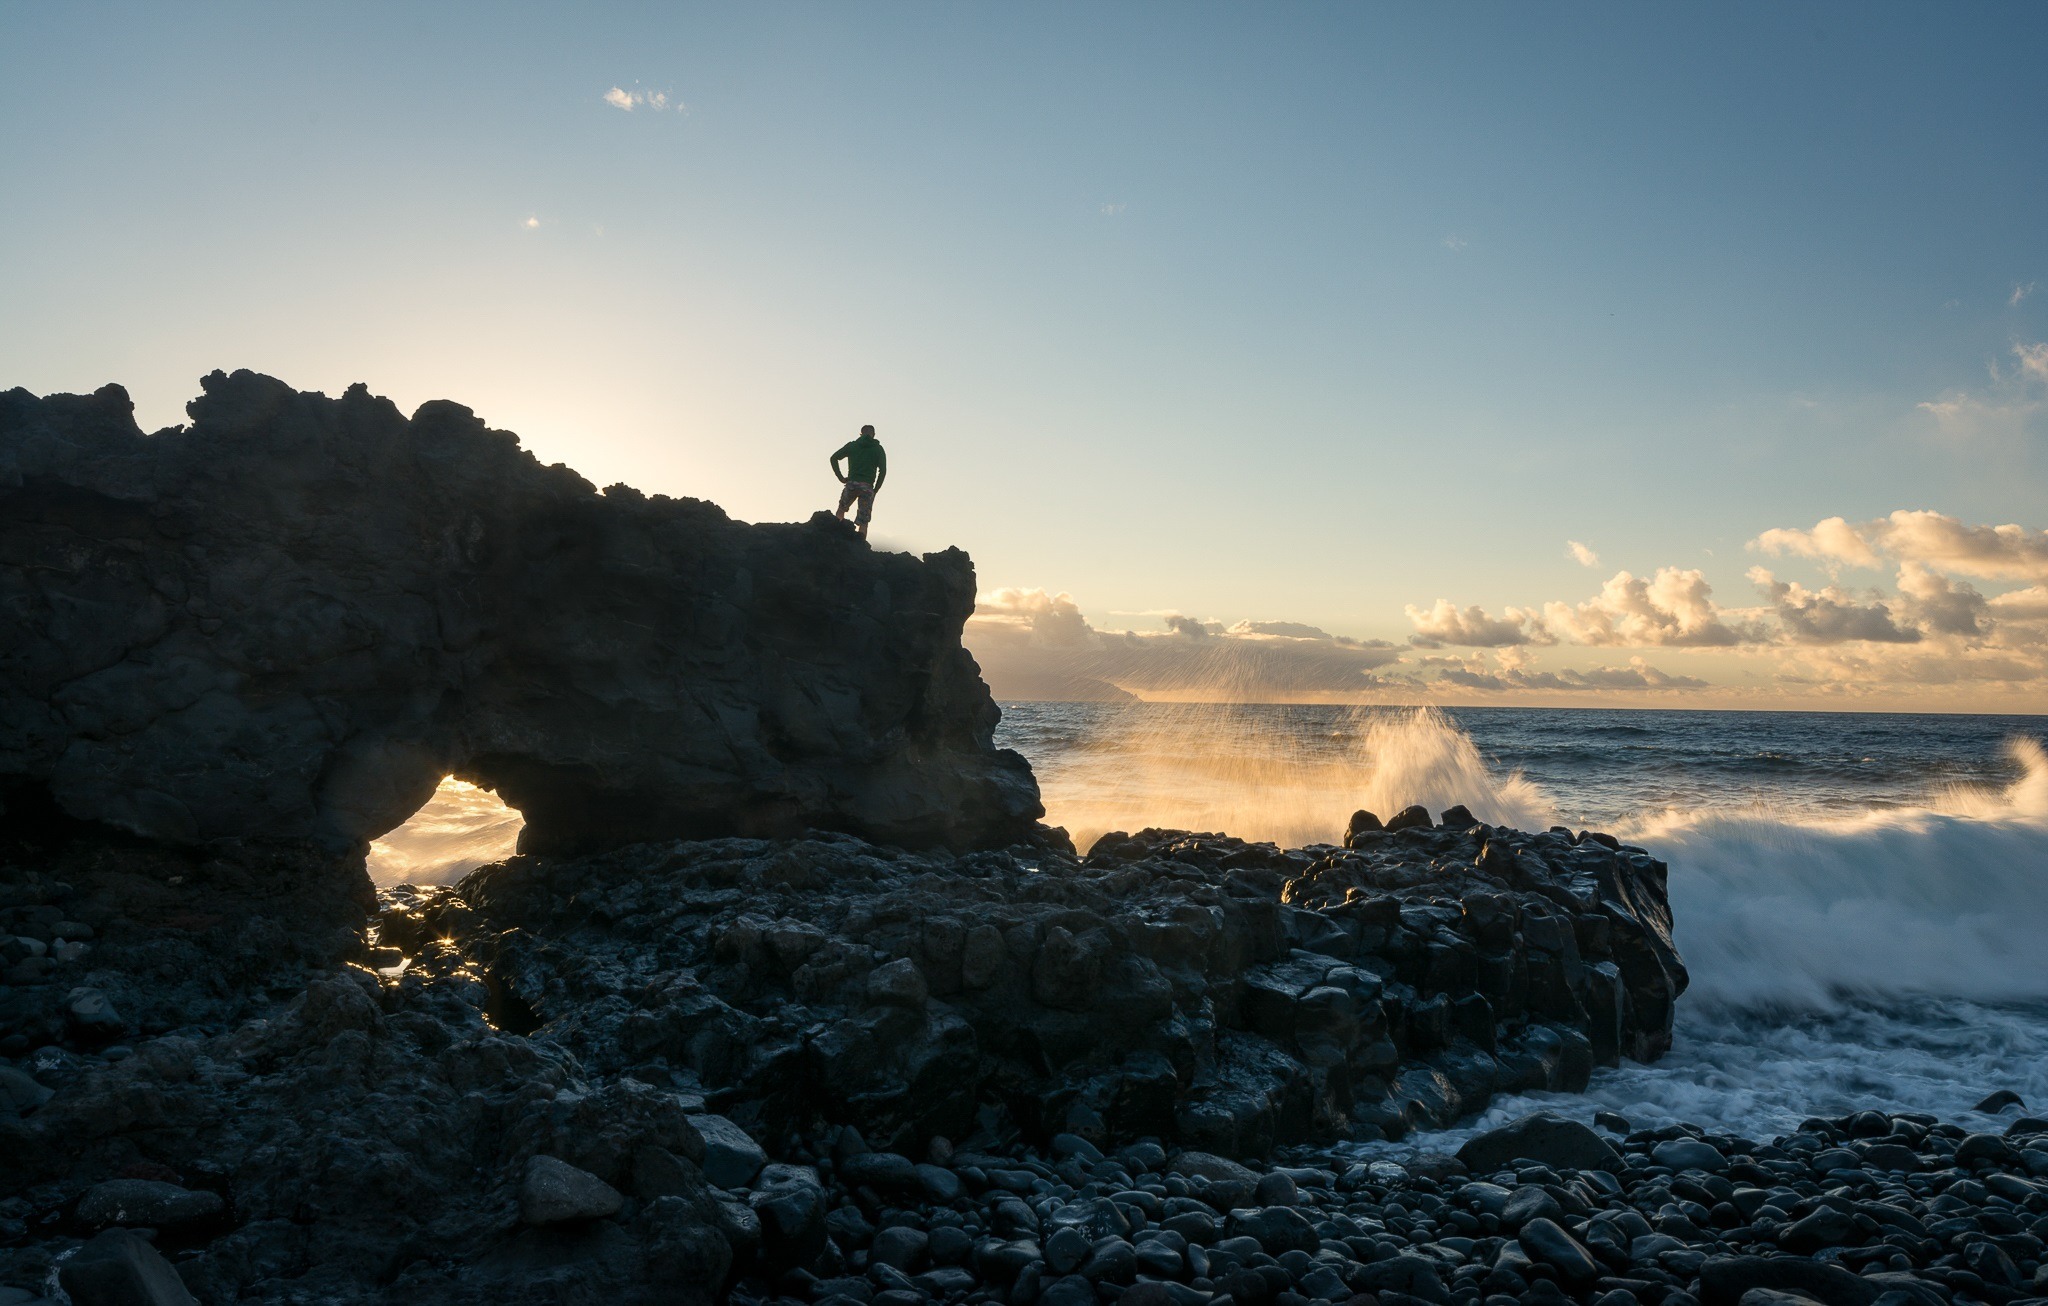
(286, 622)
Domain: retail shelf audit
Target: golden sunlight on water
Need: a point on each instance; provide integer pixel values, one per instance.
(461, 828)
(1263, 773)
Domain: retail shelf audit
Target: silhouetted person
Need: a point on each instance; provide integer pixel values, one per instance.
(866, 468)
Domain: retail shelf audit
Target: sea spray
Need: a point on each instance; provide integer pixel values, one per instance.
(1291, 776)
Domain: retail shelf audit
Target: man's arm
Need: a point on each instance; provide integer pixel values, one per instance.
(881, 467)
(835, 461)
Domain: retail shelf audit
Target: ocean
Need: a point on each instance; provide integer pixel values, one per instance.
(1862, 899)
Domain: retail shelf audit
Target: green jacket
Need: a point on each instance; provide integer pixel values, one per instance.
(865, 461)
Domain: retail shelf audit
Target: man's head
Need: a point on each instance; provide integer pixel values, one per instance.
(867, 432)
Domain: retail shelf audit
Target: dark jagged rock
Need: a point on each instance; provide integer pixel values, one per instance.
(288, 621)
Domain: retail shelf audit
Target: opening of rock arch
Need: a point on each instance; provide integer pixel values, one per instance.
(463, 826)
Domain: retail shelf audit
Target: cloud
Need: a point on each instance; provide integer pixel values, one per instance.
(659, 101)
(1673, 609)
(2020, 292)
(1511, 676)
(531, 224)
(1471, 627)
(1032, 643)
(1584, 556)
(1828, 616)
(2029, 604)
(1915, 535)
(2033, 360)
(1455, 241)
(1112, 210)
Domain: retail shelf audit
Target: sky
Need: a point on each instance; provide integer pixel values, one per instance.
(1567, 353)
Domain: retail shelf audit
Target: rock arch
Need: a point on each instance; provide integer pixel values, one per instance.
(288, 620)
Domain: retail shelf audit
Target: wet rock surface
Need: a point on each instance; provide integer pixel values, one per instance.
(287, 621)
(743, 1066)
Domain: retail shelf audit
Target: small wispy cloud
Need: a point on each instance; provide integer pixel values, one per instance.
(659, 101)
(1584, 556)
(2021, 290)
(531, 224)
(1455, 241)
(1112, 210)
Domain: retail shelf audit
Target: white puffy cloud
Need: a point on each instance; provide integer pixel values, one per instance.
(1580, 554)
(1471, 627)
(1917, 535)
(1673, 609)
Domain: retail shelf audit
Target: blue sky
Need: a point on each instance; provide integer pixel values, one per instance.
(1311, 313)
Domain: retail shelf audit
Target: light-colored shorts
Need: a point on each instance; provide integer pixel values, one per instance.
(865, 494)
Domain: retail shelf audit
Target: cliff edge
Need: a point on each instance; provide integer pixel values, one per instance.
(287, 621)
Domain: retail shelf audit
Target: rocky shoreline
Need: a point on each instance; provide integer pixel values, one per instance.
(789, 996)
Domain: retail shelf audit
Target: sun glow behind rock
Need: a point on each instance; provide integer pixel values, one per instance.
(462, 827)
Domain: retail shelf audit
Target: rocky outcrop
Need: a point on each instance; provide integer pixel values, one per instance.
(1194, 988)
(285, 623)
(728, 1061)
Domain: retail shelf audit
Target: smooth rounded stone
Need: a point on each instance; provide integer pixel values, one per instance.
(1485, 1197)
(1826, 1227)
(1987, 1149)
(555, 1192)
(886, 1171)
(1613, 1122)
(1776, 1297)
(1197, 1227)
(1067, 1290)
(1113, 1260)
(119, 1267)
(899, 1246)
(1230, 1184)
(1276, 1189)
(1689, 1154)
(1545, 1240)
(945, 1282)
(950, 1244)
(1147, 1294)
(1065, 1145)
(1094, 1218)
(1277, 1229)
(1543, 1138)
(1146, 1157)
(2000, 1101)
(899, 1297)
(1988, 1261)
(1892, 1158)
(1011, 1218)
(1529, 1203)
(1417, 1276)
(1831, 1159)
(1066, 1249)
(731, 1157)
(1725, 1279)
(1324, 1284)
(1157, 1258)
(940, 1184)
(147, 1203)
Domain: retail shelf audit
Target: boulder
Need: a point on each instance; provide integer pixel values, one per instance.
(120, 1268)
(731, 1157)
(1543, 1138)
(555, 1192)
(146, 1203)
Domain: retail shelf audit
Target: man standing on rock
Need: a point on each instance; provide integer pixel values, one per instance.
(866, 467)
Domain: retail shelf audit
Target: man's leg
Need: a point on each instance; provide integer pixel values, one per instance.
(867, 510)
(846, 496)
